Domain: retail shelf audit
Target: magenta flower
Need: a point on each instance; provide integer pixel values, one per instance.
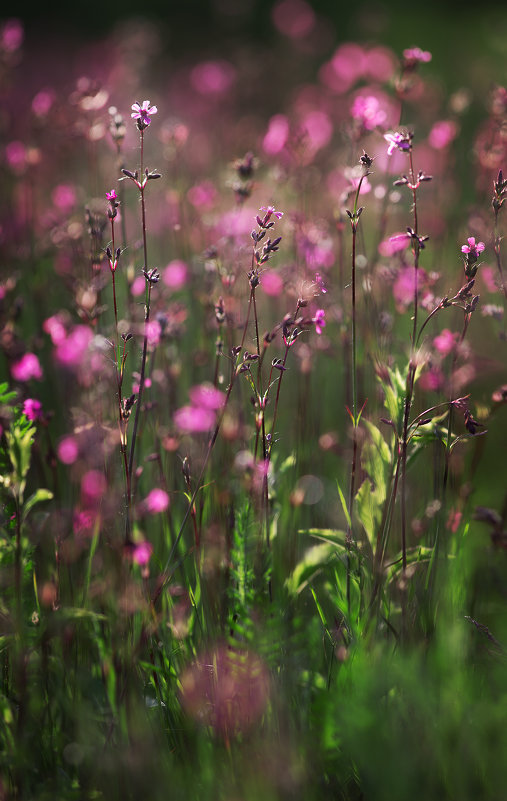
(272, 211)
(26, 368)
(194, 419)
(319, 320)
(141, 553)
(206, 396)
(32, 409)
(112, 196)
(473, 248)
(67, 450)
(414, 55)
(143, 112)
(367, 111)
(400, 141)
(156, 501)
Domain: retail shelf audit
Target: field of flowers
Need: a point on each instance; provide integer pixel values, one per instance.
(253, 391)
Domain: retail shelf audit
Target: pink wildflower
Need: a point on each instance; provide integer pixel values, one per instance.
(444, 342)
(26, 368)
(206, 396)
(270, 211)
(175, 275)
(156, 501)
(442, 134)
(141, 553)
(67, 450)
(111, 195)
(143, 112)
(319, 320)
(277, 135)
(272, 283)
(414, 55)
(32, 409)
(367, 111)
(472, 247)
(394, 244)
(400, 141)
(194, 419)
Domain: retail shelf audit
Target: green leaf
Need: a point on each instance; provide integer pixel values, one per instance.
(38, 497)
(370, 498)
(344, 505)
(313, 561)
(337, 538)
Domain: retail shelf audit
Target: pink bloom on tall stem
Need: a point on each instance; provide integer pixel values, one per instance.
(398, 141)
(445, 342)
(271, 212)
(143, 112)
(473, 247)
(26, 368)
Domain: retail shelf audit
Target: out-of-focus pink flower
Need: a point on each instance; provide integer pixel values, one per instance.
(414, 55)
(442, 134)
(194, 419)
(213, 77)
(395, 244)
(67, 450)
(206, 396)
(320, 320)
(138, 286)
(32, 409)
(473, 248)
(15, 156)
(175, 275)
(293, 18)
(141, 553)
(226, 689)
(432, 380)
(489, 277)
(367, 111)
(43, 102)
(277, 135)
(318, 129)
(380, 64)
(55, 328)
(143, 112)
(93, 487)
(153, 332)
(272, 283)
(320, 283)
(84, 521)
(347, 65)
(445, 342)
(11, 35)
(403, 289)
(64, 197)
(202, 195)
(72, 350)
(26, 368)
(156, 501)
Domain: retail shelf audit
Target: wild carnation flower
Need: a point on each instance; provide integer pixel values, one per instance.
(26, 368)
(472, 247)
(111, 195)
(400, 141)
(143, 112)
(32, 409)
(270, 211)
(320, 320)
